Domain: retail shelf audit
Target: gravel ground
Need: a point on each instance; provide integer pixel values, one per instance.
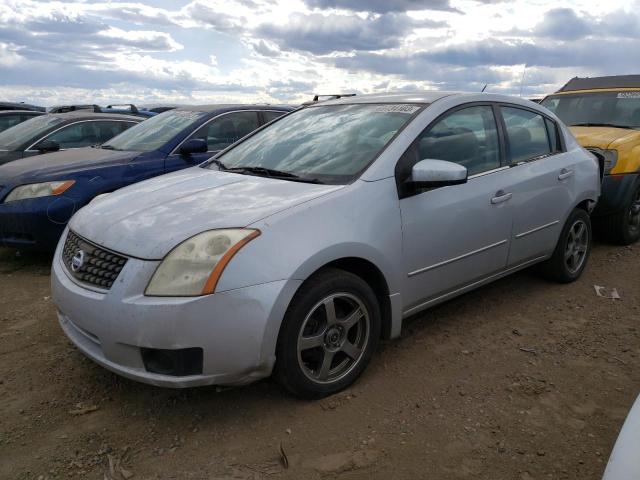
(522, 379)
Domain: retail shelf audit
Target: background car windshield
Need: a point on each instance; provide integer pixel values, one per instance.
(30, 130)
(155, 132)
(327, 143)
(608, 108)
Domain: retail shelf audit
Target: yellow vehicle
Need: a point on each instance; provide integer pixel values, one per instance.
(604, 115)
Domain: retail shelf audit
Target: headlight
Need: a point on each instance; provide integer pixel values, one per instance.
(36, 190)
(610, 159)
(194, 267)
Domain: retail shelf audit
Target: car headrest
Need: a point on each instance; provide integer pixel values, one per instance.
(519, 135)
(454, 145)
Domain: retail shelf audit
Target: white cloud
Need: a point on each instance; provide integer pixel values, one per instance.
(286, 50)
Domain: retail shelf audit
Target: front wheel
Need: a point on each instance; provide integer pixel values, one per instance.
(328, 335)
(623, 228)
(572, 251)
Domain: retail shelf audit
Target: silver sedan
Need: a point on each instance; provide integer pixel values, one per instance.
(296, 249)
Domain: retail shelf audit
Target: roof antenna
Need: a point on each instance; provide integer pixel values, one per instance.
(522, 79)
(484, 88)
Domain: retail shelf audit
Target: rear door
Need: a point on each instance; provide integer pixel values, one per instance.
(219, 133)
(544, 176)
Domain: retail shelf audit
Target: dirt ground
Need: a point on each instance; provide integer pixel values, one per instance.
(522, 379)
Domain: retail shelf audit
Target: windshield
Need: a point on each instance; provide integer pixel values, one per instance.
(155, 132)
(619, 109)
(30, 130)
(330, 144)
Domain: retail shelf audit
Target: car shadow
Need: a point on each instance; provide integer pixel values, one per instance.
(12, 260)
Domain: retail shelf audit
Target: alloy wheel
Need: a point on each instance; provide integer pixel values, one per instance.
(575, 251)
(333, 337)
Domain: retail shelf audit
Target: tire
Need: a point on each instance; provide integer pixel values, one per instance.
(623, 228)
(311, 354)
(570, 256)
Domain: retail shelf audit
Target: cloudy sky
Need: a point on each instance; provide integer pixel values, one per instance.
(154, 51)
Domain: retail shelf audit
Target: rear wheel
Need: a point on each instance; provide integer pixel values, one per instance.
(328, 335)
(623, 228)
(572, 251)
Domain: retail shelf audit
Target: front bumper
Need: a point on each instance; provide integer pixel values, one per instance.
(35, 224)
(236, 329)
(616, 193)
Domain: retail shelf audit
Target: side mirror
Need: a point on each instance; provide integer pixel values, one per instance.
(48, 146)
(194, 145)
(437, 173)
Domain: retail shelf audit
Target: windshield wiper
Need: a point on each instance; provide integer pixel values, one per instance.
(218, 163)
(107, 147)
(272, 173)
(589, 124)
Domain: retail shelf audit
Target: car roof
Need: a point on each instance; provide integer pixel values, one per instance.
(423, 97)
(20, 106)
(30, 112)
(231, 106)
(89, 115)
(599, 83)
(427, 96)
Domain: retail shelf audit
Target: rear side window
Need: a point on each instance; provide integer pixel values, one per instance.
(527, 134)
(271, 115)
(77, 135)
(227, 129)
(554, 137)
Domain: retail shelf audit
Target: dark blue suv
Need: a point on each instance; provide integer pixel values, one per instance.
(39, 195)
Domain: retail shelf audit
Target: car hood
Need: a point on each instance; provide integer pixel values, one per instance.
(149, 219)
(41, 167)
(604, 137)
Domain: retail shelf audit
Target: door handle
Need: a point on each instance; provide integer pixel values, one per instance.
(501, 196)
(564, 174)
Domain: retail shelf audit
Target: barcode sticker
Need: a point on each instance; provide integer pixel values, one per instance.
(396, 108)
(629, 95)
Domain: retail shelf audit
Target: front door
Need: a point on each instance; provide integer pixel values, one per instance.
(455, 235)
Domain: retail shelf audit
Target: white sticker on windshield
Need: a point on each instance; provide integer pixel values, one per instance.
(396, 108)
(629, 95)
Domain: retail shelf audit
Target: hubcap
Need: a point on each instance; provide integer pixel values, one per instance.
(577, 244)
(333, 337)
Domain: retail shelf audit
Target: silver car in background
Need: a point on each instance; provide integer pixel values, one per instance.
(296, 249)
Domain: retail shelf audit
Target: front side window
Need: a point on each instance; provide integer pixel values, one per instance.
(330, 143)
(28, 131)
(468, 137)
(527, 134)
(155, 132)
(77, 135)
(108, 129)
(270, 115)
(599, 109)
(227, 129)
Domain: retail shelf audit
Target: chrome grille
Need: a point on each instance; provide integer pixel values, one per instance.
(91, 264)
